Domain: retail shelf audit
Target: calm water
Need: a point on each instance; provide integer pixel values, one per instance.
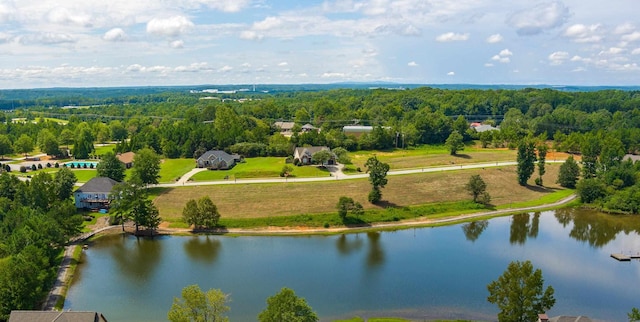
(416, 273)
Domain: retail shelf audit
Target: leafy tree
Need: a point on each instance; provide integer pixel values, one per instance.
(286, 306)
(519, 293)
(342, 155)
(130, 202)
(66, 137)
(202, 213)
(590, 190)
(23, 145)
(111, 167)
(198, 306)
(455, 142)
(542, 158)
(118, 131)
(83, 142)
(48, 143)
(146, 166)
(634, 315)
(191, 213)
(478, 189)
(612, 153)
(346, 204)
(569, 173)
(377, 176)
(526, 161)
(5, 146)
(321, 157)
(286, 170)
(590, 149)
(64, 183)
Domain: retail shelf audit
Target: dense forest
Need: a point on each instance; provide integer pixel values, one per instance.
(37, 217)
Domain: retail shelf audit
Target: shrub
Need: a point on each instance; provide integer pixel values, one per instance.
(73, 166)
(289, 159)
(326, 225)
(48, 164)
(358, 169)
(91, 166)
(84, 165)
(296, 162)
(538, 181)
(39, 166)
(7, 168)
(375, 195)
(23, 169)
(33, 167)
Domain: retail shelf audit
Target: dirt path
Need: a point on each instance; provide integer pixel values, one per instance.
(62, 280)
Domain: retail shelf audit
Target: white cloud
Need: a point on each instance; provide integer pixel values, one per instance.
(195, 67)
(504, 56)
(282, 64)
(624, 28)
(250, 35)
(634, 36)
(225, 69)
(64, 16)
(333, 75)
(636, 51)
(412, 64)
(47, 38)
(488, 65)
(583, 34)
(579, 69)
(177, 44)
(169, 27)
(115, 34)
(537, 19)
(451, 74)
(612, 51)
(450, 36)
(558, 57)
(496, 38)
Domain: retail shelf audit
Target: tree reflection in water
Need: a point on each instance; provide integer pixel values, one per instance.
(137, 257)
(203, 248)
(346, 245)
(521, 228)
(595, 228)
(474, 229)
(376, 253)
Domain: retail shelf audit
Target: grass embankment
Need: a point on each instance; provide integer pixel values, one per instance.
(75, 260)
(313, 204)
(267, 167)
(172, 169)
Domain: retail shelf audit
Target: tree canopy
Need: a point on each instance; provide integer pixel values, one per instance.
(146, 166)
(198, 306)
(110, 167)
(287, 306)
(377, 176)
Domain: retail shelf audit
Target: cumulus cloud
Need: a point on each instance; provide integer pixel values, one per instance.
(634, 36)
(115, 34)
(176, 44)
(635, 51)
(624, 28)
(250, 35)
(333, 75)
(451, 74)
(412, 64)
(537, 19)
(282, 64)
(224, 5)
(450, 36)
(503, 57)
(583, 34)
(612, 51)
(225, 69)
(63, 16)
(195, 67)
(558, 57)
(169, 27)
(493, 39)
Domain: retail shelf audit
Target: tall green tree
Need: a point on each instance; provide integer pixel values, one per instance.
(111, 167)
(590, 149)
(346, 204)
(201, 214)
(5, 146)
(83, 142)
(519, 293)
(377, 176)
(526, 161)
(198, 306)
(130, 201)
(23, 145)
(64, 183)
(634, 315)
(287, 306)
(542, 159)
(321, 157)
(569, 173)
(454, 142)
(146, 166)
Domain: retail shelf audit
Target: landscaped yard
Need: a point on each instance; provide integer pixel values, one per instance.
(287, 199)
(172, 169)
(268, 167)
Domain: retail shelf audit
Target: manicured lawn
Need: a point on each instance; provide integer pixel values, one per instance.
(172, 169)
(83, 175)
(100, 150)
(244, 201)
(268, 167)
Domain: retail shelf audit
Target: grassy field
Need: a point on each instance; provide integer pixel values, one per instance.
(100, 150)
(244, 201)
(172, 169)
(268, 167)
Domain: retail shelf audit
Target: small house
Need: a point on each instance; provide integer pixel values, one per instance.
(286, 128)
(95, 193)
(309, 128)
(217, 160)
(305, 154)
(126, 158)
(56, 316)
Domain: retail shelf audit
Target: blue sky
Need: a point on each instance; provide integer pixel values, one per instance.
(50, 43)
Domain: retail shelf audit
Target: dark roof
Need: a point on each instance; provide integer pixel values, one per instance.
(218, 154)
(55, 316)
(98, 184)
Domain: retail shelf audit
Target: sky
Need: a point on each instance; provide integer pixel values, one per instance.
(100, 43)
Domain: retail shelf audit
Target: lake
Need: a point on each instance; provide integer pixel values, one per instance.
(417, 273)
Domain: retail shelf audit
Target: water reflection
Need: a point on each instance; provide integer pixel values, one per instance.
(375, 257)
(521, 228)
(474, 229)
(203, 249)
(346, 245)
(597, 229)
(137, 257)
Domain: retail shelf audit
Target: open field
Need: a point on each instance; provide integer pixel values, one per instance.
(172, 169)
(282, 199)
(267, 167)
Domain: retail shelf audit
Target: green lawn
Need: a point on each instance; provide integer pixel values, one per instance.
(100, 150)
(268, 167)
(172, 169)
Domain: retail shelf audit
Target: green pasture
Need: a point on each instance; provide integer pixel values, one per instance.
(267, 167)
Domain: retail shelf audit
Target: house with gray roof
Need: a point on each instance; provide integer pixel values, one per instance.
(286, 128)
(305, 154)
(56, 316)
(217, 160)
(95, 193)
